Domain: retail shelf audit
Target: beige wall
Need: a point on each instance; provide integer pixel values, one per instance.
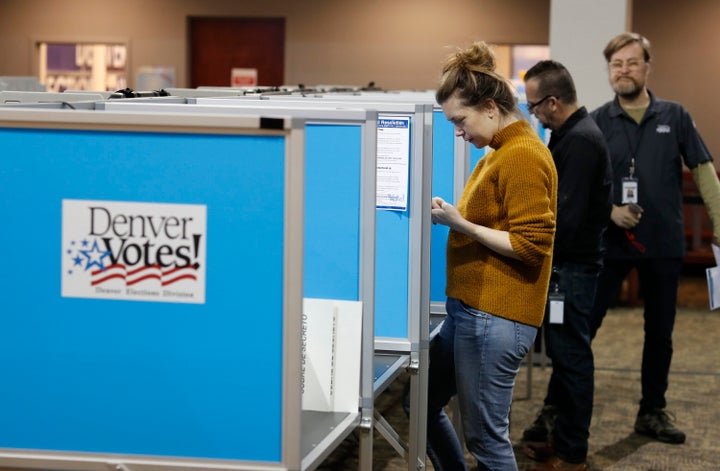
(397, 44)
(686, 58)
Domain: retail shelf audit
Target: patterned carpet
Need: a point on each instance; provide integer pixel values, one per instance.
(692, 397)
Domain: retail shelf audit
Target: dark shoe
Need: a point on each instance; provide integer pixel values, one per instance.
(539, 452)
(541, 429)
(556, 464)
(656, 424)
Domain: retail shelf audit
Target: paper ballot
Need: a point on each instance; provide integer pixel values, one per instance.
(713, 279)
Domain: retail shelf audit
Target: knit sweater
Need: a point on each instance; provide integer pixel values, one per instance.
(513, 189)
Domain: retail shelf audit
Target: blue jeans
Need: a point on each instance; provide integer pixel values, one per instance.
(571, 384)
(476, 355)
(659, 279)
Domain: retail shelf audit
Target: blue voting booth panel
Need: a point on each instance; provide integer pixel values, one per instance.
(442, 185)
(332, 211)
(391, 274)
(178, 379)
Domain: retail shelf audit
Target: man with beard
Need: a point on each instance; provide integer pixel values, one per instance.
(649, 139)
(583, 212)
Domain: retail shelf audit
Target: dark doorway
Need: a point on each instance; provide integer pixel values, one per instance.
(217, 45)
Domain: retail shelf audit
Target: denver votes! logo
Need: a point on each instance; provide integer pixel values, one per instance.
(134, 251)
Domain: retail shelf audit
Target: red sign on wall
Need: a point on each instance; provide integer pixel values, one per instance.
(243, 77)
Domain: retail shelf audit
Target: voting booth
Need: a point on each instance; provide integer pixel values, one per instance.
(158, 317)
(387, 266)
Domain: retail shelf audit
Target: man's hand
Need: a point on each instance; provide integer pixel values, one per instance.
(626, 216)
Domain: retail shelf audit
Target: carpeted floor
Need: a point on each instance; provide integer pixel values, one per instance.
(692, 396)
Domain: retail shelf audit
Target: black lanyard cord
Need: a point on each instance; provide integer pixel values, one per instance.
(633, 149)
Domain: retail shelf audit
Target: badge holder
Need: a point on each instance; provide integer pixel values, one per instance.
(556, 305)
(630, 186)
(629, 190)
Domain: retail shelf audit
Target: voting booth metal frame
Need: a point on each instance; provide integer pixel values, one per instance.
(402, 351)
(43, 138)
(406, 350)
(367, 121)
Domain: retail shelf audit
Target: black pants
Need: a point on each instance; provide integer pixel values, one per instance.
(571, 384)
(659, 279)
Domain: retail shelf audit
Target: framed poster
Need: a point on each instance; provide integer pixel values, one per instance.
(82, 66)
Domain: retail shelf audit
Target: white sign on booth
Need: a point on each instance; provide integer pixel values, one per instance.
(331, 335)
(393, 162)
(134, 251)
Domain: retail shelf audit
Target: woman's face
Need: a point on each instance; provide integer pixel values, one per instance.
(474, 125)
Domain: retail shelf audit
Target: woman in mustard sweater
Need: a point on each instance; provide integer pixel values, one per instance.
(499, 255)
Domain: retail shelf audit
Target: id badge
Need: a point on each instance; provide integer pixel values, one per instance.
(556, 308)
(629, 190)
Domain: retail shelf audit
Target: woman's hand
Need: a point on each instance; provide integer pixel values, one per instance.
(444, 213)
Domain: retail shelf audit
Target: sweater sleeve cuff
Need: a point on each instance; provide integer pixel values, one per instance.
(707, 182)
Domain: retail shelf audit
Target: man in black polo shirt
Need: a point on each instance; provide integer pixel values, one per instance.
(649, 140)
(584, 202)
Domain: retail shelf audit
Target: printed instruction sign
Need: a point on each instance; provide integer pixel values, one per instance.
(393, 162)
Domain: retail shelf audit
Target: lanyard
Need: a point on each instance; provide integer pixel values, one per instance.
(633, 149)
(635, 243)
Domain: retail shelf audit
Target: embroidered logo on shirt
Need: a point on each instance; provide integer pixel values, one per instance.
(663, 129)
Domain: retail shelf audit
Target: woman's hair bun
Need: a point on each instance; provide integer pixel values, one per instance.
(476, 58)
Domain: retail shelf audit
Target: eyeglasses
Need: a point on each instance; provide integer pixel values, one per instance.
(532, 106)
(630, 63)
